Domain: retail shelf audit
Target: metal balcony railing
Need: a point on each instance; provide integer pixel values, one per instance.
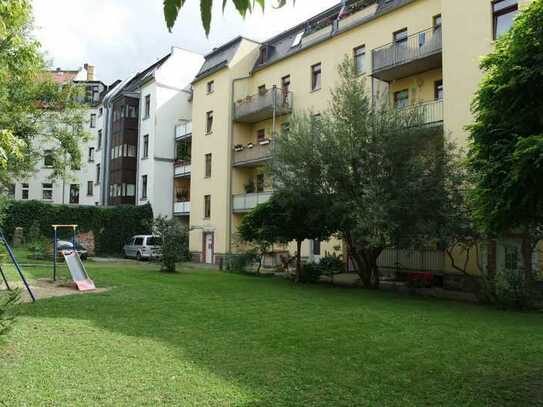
(246, 202)
(183, 130)
(422, 49)
(182, 168)
(181, 208)
(247, 155)
(262, 106)
(427, 113)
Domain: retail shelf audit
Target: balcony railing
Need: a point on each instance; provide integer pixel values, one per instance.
(251, 154)
(427, 113)
(181, 208)
(246, 202)
(421, 52)
(262, 106)
(183, 131)
(182, 168)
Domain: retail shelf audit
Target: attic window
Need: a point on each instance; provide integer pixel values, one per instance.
(263, 55)
(298, 39)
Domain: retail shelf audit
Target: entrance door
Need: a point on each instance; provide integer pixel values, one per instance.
(208, 248)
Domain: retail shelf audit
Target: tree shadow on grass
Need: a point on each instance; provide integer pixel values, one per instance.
(311, 345)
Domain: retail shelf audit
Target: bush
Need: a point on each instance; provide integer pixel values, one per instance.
(39, 249)
(331, 264)
(174, 242)
(311, 273)
(111, 226)
(8, 301)
(515, 290)
(238, 263)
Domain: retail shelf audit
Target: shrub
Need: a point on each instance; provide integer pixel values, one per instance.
(332, 264)
(174, 242)
(515, 290)
(311, 273)
(33, 234)
(238, 263)
(8, 301)
(39, 249)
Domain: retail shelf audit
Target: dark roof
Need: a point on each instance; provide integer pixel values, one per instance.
(219, 57)
(280, 46)
(141, 77)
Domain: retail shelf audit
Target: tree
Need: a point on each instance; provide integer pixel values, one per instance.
(172, 8)
(33, 109)
(378, 169)
(173, 242)
(506, 148)
(290, 215)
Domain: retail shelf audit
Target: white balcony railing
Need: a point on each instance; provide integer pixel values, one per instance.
(181, 208)
(183, 130)
(426, 113)
(263, 105)
(246, 202)
(182, 168)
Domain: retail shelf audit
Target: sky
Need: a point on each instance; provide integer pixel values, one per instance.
(121, 37)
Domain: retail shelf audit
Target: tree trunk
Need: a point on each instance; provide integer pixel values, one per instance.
(366, 263)
(298, 261)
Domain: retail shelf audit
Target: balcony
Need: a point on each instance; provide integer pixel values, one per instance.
(262, 106)
(182, 168)
(252, 154)
(181, 208)
(183, 131)
(420, 53)
(246, 202)
(429, 113)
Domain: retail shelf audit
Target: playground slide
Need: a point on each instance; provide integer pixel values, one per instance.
(78, 272)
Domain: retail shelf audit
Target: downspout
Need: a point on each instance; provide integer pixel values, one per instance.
(231, 163)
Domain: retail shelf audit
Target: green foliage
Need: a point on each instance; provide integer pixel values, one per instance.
(172, 8)
(175, 242)
(8, 301)
(312, 273)
(238, 263)
(515, 289)
(33, 108)
(111, 226)
(332, 264)
(506, 138)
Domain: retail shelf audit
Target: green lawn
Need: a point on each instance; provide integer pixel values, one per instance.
(207, 338)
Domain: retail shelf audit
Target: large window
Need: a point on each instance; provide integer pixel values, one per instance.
(26, 191)
(93, 121)
(147, 111)
(401, 99)
(360, 59)
(99, 139)
(91, 154)
(208, 166)
(207, 206)
(144, 187)
(316, 77)
(74, 193)
(48, 158)
(504, 12)
(47, 192)
(90, 188)
(97, 174)
(209, 122)
(210, 87)
(145, 146)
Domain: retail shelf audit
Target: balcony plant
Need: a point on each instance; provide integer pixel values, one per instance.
(238, 147)
(250, 187)
(250, 145)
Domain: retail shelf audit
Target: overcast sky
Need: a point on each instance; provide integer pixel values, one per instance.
(121, 37)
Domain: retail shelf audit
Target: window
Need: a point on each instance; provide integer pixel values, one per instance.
(316, 247)
(97, 174)
(90, 188)
(130, 190)
(401, 99)
(48, 158)
(261, 135)
(131, 112)
(210, 87)
(144, 187)
(316, 75)
(93, 121)
(263, 56)
(147, 107)
(208, 166)
(74, 193)
(298, 39)
(512, 258)
(260, 183)
(145, 146)
(209, 122)
(285, 88)
(11, 191)
(26, 191)
(504, 13)
(400, 38)
(91, 154)
(360, 60)
(438, 90)
(99, 139)
(437, 22)
(207, 206)
(138, 241)
(47, 192)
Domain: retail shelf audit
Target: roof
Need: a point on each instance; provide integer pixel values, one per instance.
(61, 76)
(219, 57)
(319, 28)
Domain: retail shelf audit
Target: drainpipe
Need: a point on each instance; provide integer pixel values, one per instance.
(231, 163)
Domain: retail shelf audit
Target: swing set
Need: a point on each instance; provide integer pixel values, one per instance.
(11, 255)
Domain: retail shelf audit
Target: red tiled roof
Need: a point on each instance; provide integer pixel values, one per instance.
(60, 76)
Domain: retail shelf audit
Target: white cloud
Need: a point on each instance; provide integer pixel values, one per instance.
(123, 36)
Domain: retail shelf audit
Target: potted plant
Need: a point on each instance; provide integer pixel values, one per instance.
(250, 145)
(238, 147)
(250, 187)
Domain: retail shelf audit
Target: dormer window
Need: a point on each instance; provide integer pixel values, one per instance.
(264, 54)
(298, 39)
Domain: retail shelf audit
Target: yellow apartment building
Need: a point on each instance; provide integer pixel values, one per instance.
(422, 54)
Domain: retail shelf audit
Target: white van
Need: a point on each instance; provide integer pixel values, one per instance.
(143, 247)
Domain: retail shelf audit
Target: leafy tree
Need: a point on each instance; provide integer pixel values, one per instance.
(174, 242)
(33, 109)
(378, 169)
(172, 8)
(506, 152)
(290, 215)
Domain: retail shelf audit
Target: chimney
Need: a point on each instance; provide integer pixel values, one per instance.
(90, 72)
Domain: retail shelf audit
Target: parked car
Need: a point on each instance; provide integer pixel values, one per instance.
(143, 247)
(65, 245)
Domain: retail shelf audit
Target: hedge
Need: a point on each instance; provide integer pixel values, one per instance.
(112, 226)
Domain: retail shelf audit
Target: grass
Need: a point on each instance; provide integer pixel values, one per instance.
(206, 338)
